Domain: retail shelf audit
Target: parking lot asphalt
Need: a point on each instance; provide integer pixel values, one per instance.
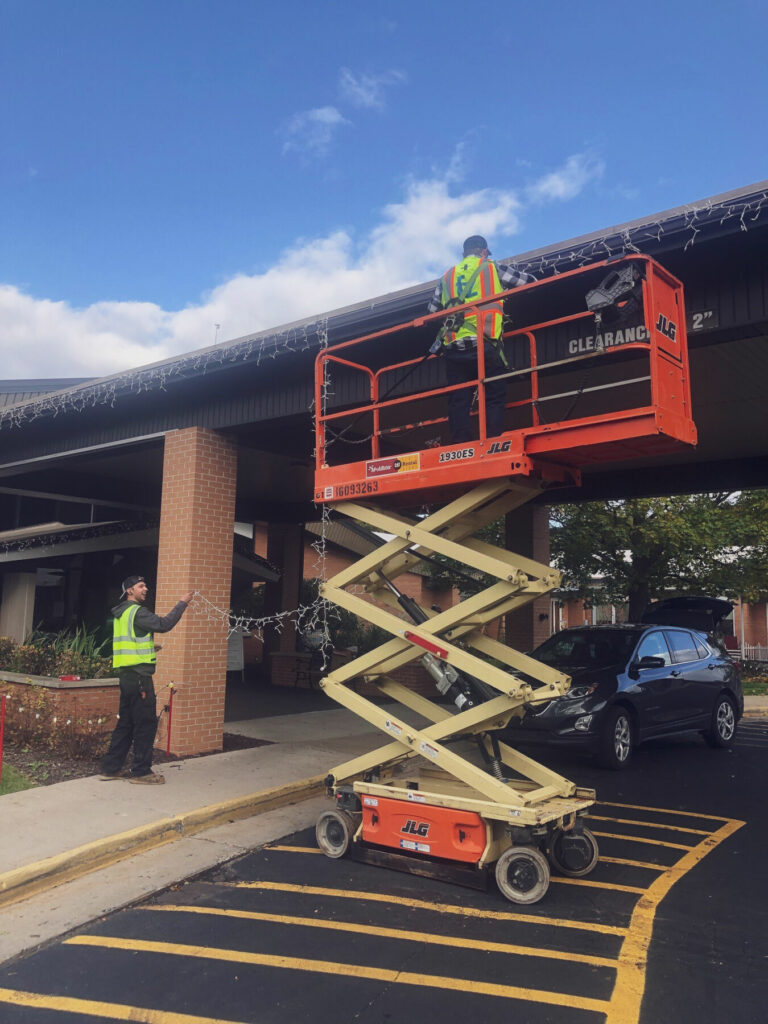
(670, 927)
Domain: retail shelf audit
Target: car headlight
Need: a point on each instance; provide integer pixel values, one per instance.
(579, 692)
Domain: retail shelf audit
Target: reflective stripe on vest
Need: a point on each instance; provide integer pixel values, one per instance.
(127, 647)
(486, 284)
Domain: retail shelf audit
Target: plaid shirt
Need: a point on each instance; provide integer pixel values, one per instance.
(509, 277)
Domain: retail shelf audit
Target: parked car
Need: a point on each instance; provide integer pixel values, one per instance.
(630, 683)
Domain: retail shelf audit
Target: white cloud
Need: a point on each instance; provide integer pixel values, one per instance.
(415, 239)
(312, 131)
(567, 181)
(368, 90)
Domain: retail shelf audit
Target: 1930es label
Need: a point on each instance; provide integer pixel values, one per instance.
(462, 453)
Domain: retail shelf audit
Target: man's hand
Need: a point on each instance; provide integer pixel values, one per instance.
(186, 598)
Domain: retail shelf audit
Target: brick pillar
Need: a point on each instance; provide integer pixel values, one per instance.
(195, 553)
(527, 533)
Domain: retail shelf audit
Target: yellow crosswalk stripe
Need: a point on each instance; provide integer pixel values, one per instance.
(393, 977)
(93, 1008)
(453, 941)
(440, 908)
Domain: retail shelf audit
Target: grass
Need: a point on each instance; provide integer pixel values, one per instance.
(756, 686)
(13, 781)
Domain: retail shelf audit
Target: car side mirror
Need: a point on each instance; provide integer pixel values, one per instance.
(651, 661)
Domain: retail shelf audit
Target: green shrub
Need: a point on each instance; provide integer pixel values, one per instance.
(66, 653)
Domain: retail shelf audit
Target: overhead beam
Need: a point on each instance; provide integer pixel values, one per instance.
(77, 499)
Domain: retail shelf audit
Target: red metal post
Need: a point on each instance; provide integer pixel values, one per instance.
(2, 731)
(170, 716)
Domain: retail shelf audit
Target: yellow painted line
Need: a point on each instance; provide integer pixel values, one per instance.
(91, 1008)
(386, 975)
(624, 1006)
(454, 941)
(633, 863)
(652, 824)
(664, 810)
(440, 908)
(648, 842)
(588, 883)
(606, 860)
(578, 881)
(295, 849)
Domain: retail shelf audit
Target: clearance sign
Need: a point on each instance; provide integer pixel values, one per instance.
(398, 464)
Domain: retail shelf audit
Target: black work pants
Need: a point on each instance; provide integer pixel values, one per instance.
(462, 367)
(136, 725)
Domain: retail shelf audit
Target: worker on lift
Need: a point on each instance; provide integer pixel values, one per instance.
(474, 277)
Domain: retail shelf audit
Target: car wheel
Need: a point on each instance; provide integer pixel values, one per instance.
(722, 731)
(616, 740)
(522, 874)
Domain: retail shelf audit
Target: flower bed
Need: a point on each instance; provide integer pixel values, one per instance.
(72, 717)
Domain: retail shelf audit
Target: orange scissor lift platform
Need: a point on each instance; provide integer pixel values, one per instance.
(445, 796)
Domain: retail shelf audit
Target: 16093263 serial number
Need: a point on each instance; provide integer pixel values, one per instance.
(462, 453)
(348, 490)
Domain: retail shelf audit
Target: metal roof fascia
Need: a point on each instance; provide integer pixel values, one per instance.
(400, 301)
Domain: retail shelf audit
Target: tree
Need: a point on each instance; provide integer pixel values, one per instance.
(643, 549)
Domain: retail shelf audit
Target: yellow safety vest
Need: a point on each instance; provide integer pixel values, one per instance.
(127, 647)
(486, 284)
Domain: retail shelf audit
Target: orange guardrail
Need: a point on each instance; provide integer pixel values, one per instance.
(573, 397)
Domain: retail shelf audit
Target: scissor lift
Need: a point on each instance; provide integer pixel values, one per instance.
(445, 796)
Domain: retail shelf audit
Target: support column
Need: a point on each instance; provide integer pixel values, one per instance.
(195, 553)
(527, 533)
(285, 550)
(17, 610)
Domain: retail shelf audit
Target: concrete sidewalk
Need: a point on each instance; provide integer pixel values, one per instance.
(77, 850)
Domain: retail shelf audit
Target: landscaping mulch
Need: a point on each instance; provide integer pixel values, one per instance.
(46, 767)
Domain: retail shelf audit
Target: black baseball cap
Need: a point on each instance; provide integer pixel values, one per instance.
(131, 581)
(475, 243)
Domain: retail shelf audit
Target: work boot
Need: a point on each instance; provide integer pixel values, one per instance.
(150, 779)
(112, 776)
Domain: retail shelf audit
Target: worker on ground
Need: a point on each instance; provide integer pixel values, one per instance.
(134, 654)
(474, 277)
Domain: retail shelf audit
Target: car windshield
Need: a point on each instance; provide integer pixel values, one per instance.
(588, 647)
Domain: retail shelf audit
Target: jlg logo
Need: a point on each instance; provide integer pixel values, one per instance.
(667, 327)
(416, 828)
(499, 446)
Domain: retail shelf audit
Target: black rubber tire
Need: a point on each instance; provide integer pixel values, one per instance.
(522, 874)
(334, 831)
(617, 739)
(722, 730)
(574, 863)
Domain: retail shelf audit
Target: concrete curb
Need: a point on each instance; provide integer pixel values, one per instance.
(26, 881)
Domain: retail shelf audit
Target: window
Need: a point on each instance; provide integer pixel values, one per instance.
(682, 645)
(654, 646)
(587, 647)
(701, 648)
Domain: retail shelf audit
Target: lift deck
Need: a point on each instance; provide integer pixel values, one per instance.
(445, 796)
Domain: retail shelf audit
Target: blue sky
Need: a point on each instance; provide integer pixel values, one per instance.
(167, 165)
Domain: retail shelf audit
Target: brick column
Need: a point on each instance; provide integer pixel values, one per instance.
(527, 533)
(195, 553)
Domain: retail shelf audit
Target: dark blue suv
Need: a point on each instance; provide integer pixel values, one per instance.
(631, 683)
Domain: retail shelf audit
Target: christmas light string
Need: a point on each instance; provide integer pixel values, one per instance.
(693, 221)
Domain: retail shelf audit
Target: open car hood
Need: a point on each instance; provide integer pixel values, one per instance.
(701, 613)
